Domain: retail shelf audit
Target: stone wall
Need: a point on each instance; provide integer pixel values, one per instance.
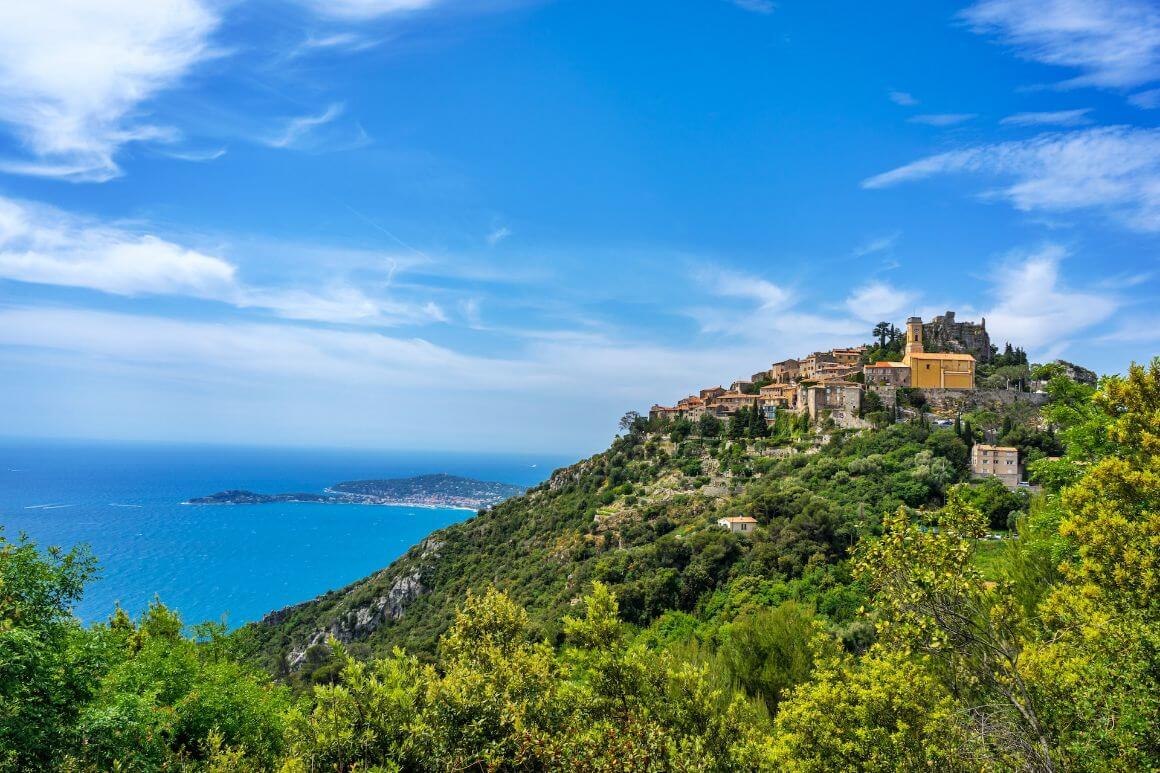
(962, 400)
(888, 394)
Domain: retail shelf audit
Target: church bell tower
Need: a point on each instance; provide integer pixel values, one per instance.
(914, 335)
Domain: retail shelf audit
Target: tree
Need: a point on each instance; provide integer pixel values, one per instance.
(708, 425)
(45, 665)
(632, 423)
(881, 331)
(1114, 511)
(885, 712)
(932, 600)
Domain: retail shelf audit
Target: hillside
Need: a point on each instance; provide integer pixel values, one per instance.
(873, 620)
(641, 517)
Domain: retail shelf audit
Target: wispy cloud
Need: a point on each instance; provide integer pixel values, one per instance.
(1146, 100)
(362, 10)
(756, 6)
(877, 244)
(902, 98)
(1052, 118)
(339, 41)
(308, 132)
(1114, 170)
(209, 154)
(943, 119)
(1112, 43)
(1034, 308)
(75, 77)
(497, 235)
(877, 301)
(42, 245)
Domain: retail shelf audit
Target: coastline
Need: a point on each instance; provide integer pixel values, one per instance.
(422, 505)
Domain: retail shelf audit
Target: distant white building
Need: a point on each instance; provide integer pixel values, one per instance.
(738, 525)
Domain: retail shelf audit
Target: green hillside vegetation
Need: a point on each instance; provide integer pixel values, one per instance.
(605, 622)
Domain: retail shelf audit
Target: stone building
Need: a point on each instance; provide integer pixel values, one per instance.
(841, 399)
(1001, 462)
(728, 403)
(781, 395)
(785, 371)
(883, 373)
(945, 334)
(738, 525)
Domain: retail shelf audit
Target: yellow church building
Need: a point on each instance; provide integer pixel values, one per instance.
(935, 370)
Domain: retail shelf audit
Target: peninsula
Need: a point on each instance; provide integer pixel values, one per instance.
(437, 490)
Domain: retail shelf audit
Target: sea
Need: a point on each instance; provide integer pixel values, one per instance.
(223, 563)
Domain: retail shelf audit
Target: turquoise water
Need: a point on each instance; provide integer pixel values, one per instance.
(234, 562)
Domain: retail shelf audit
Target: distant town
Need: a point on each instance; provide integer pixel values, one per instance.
(936, 362)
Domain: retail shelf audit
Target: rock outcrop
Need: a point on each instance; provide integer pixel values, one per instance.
(945, 334)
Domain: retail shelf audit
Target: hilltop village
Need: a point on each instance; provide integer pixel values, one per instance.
(930, 367)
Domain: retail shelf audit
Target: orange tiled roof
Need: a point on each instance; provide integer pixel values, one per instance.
(941, 356)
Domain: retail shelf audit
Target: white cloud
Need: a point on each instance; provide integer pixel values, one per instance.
(362, 10)
(75, 75)
(735, 285)
(943, 119)
(1146, 100)
(1112, 43)
(1034, 309)
(756, 6)
(877, 301)
(1114, 169)
(1053, 118)
(47, 246)
(902, 98)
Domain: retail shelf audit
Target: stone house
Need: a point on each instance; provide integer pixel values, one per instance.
(830, 371)
(663, 412)
(883, 373)
(729, 403)
(1001, 462)
(738, 525)
(781, 395)
(785, 371)
(851, 356)
(740, 385)
(705, 394)
(809, 365)
(841, 399)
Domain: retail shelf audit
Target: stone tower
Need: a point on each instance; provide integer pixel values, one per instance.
(914, 335)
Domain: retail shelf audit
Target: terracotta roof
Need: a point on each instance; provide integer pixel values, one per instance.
(886, 364)
(941, 356)
(985, 447)
(734, 519)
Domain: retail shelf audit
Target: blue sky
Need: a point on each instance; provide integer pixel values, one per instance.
(499, 224)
